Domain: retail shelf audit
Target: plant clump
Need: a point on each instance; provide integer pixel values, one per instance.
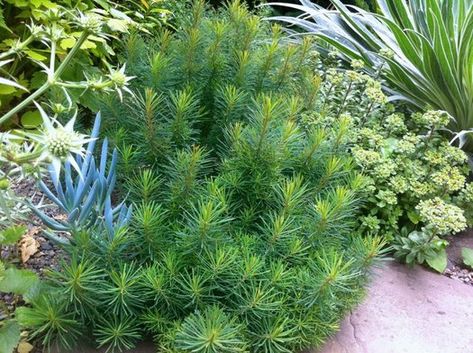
(242, 236)
(417, 190)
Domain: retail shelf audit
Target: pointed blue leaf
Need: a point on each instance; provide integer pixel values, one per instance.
(48, 193)
(69, 185)
(109, 216)
(87, 207)
(103, 157)
(73, 215)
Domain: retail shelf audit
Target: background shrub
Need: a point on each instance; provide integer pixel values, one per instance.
(61, 53)
(417, 189)
(422, 49)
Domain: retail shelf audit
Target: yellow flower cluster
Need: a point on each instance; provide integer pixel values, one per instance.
(444, 218)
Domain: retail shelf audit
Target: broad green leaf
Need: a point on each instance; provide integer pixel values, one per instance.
(413, 216)
(38, 79)
(18, 281)
(390, 145)
(108, 49)
(89, 100)
(439, 261)
(104, 4)
(11, 235)
(2, 271)
(467, 255)
(18, 3)
(96, 39)
(45, 3)
(9, 42)
(31, 119)
(119, 14)
(88, 45)
(9, 336)
(35, 55)
(7, 87)
(117, 25)
(67, 43)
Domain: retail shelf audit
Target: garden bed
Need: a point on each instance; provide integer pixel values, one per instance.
(237, 185)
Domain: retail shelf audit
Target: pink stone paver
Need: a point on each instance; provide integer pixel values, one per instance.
(409, 310)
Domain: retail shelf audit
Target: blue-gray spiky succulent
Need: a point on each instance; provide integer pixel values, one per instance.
(85, 197)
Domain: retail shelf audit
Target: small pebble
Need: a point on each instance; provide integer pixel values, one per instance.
(46, 246)
(460, 274)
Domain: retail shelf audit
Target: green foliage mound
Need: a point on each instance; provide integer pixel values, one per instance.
(417, 189)
(242, 237)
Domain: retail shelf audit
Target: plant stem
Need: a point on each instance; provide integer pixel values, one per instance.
(17, 48)
(51, 80)
(25, 103)
(52, 60)
(326, 97)
(342, 106)
(71, 54)
(368, 112)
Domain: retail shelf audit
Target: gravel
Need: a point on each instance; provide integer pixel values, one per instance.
(460, 274)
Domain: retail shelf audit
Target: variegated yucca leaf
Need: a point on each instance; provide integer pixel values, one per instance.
(431, 42)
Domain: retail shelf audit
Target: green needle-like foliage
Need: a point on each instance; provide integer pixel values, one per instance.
(51, 320)
(78, 281)
(144, 185)
(121, 292)
(212, 331)
(117, 333)
(243, 238)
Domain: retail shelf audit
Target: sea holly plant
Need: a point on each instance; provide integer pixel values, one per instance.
(54, 44)
(53, 143)
(27, 154)
(86, 195)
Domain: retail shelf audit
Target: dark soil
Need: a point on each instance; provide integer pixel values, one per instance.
(48, 254)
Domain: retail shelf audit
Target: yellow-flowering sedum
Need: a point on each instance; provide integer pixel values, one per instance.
(442, 217)
(416, 187)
